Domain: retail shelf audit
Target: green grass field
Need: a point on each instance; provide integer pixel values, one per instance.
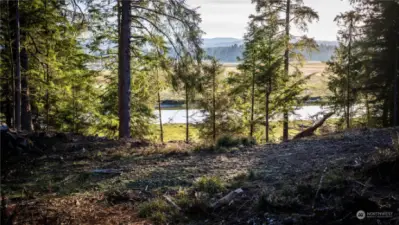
(177, 132)
(316, 86)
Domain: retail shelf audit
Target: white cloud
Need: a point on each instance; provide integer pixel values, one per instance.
(229, 18)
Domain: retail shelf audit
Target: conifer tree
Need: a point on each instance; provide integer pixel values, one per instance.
(295, 13)
(269, 77)
(172, 19)
(344, 67)
(367, 68)
(185, 79)
(210, 102)
(50, 48)
(380, 34)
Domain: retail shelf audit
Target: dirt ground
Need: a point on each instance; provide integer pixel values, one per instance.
(319, 180)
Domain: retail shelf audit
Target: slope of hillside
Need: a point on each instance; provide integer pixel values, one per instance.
(228, 49)
(221, 42)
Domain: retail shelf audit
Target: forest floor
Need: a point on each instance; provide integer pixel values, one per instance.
(318, 180)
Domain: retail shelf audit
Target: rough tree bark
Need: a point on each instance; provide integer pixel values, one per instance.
(267, 116)
(395, 99)
(159, 109)
(9, 109)
(26, 114)
(47, 105)
(124, 70)
(187, 121)
(268, 89)
(286, 64)
(17, 103)
(368, 109)
(214, 106)
(251, 132)
(347, 114)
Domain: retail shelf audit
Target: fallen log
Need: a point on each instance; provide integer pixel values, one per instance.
(227, 199)
(310, 131)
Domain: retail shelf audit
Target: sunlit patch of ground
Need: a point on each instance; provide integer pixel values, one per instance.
(76, 185)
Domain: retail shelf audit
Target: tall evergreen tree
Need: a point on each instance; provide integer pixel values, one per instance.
(172, 19)
(344, 67)
(185, 78)
(295, 13)
(376, 59)
(269, 77)
(210, 98)
(248, 67)
(49, 36)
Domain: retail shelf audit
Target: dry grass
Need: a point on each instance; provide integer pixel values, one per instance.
(317, 85)
(79, 209)
(69, 192)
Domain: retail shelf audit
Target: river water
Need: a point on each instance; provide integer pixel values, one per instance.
(196, 116)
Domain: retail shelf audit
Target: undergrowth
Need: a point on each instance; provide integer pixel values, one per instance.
(157, 210)
(228, 141)
(211, 185)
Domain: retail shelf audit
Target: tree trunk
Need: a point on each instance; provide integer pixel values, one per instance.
(368, 110)
(47, 96)
(310, 131)
(26, 113)
(74, 105)
(347, 119)
(286, 65)
(17, 70)
(47, 105)
(395, 99)
(10, 109)
(214, 106)
(268, 90)
(385, 109)
(124, 71)
(187, 119)
(159, 110)
(267, 117)
(251, 132)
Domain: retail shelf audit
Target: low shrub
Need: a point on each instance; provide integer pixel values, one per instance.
(157, 210)
(210, 185)
(248, 141)
(228, 141)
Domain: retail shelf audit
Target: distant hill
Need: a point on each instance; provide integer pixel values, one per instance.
(228, 49)
(221, 42)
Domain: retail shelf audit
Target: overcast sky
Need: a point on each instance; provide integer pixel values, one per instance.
(229, 18)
